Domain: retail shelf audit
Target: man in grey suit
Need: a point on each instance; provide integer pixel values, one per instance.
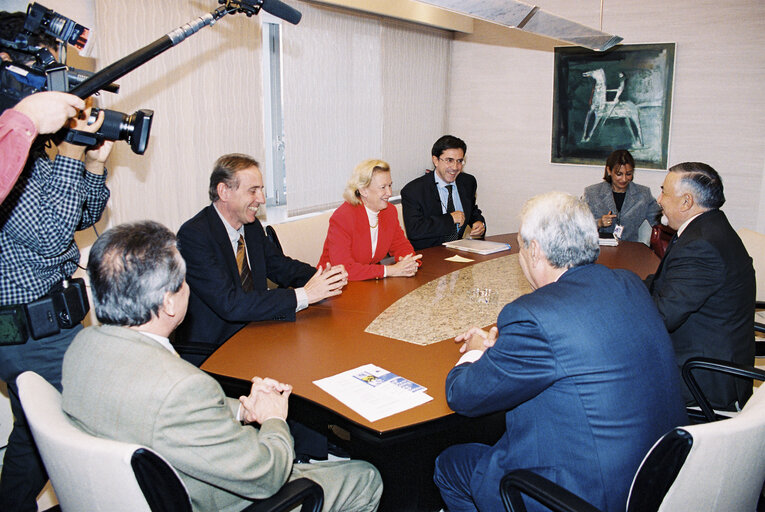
(124, 381)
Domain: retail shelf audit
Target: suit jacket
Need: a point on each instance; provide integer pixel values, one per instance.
(639, 205)
(218, 307)
(585, 370)
(426, 224)
(705, 291)
(120, 384)
(349, 241)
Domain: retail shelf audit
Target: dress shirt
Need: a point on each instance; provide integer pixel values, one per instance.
(233, 235)
(443, 193)
(685, 224)
(373, 232)
(38, 220)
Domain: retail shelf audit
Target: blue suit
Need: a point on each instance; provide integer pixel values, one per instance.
(586, 372)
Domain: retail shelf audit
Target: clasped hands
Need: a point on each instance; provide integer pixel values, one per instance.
(268, 399)
(477, 339)
(326, 282)
(406, 266)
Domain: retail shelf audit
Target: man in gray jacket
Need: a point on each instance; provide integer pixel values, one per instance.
(124, 381)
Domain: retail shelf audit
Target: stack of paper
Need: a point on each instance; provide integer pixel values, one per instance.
(373, 392)
(477, 246)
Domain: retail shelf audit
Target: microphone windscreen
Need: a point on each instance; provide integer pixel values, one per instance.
(282, 10)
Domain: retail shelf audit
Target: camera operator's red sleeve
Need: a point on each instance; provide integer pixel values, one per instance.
(17, 132)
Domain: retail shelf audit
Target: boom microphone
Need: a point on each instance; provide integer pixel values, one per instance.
(277, 8)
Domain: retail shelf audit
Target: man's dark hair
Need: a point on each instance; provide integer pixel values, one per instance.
(11, 25)
(703, 182)
(616, 160)
(448, 142)
(225, 169)
(131, 268)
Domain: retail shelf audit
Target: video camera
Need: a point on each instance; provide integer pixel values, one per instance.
(34, 68)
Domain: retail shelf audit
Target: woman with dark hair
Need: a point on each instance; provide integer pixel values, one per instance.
(619, 205)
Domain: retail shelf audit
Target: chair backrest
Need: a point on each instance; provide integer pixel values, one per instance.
(708, 467)
(755, 246)
(661, 235)
(303, 239)
(92, 473)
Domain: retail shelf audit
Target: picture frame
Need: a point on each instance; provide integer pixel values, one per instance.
(617, 99)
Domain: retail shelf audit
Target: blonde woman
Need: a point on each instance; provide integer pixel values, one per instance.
(364, 229)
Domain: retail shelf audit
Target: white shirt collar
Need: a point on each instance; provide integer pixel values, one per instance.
(685, 224)
(233, 234)
(161, 340)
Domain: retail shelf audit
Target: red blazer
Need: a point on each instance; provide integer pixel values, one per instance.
(349, 242)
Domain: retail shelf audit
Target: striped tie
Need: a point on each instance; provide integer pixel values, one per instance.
(244, 268)
(449, 209)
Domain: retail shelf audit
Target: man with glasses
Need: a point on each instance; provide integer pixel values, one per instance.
(439, 205)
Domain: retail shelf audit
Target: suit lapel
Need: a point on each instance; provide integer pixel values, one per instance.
(220, 237)
(435, 199)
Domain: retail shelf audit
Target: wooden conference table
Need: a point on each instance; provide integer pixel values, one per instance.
(329, 338)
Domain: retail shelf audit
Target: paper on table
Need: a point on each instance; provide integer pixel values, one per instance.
(459, 259)
(373, 392)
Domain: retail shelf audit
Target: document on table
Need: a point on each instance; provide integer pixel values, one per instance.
(373, 392)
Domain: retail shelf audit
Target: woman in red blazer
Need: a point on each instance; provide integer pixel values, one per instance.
(365, 229)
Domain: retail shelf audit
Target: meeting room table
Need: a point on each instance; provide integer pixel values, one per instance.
(332, 336)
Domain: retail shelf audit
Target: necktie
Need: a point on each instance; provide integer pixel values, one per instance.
(244, 268)
(449, 209)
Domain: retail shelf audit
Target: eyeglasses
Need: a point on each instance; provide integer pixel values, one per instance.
(452, 161)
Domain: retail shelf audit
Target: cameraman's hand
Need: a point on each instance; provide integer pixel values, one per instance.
(95, 155)
(49, 110)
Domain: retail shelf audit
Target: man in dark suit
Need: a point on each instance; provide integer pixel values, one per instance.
(229, 258)
(582, 365)
(704, 287)
(122, 380)
(439, 205)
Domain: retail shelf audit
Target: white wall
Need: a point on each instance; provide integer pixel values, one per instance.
(502, 89)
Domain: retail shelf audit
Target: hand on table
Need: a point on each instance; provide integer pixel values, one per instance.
(477, 339)
(405, 267)
(326, 282)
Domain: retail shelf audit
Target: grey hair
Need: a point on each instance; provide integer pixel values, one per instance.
(564, 228)
(131, 268)
(701, 181)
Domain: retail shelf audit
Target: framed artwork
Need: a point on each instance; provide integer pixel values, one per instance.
(617, 99)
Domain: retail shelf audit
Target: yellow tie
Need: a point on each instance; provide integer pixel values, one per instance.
(245, 275)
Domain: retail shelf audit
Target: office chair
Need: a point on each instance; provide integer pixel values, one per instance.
(708, 467)
(271, 235)
(661, 235)
(96, 474)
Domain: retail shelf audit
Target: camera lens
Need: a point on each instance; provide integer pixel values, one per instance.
(133, 128)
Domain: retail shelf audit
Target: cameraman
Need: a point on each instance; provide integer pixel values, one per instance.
(43, 112)
(49, 202)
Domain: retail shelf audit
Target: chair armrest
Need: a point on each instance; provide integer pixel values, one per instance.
(717, 365)
(548, 493)
(292, 494)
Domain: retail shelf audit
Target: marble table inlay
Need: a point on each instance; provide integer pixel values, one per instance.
(449, 305)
